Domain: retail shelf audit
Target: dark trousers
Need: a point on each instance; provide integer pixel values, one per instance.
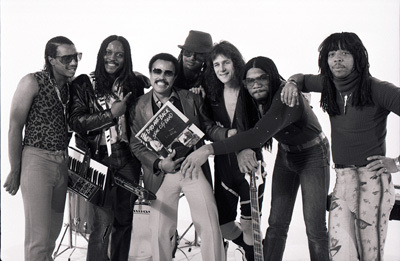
(116, 216)
(310, 170)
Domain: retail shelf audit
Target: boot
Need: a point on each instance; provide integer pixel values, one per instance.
(248, 250)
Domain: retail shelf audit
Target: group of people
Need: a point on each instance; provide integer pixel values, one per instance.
(240, 107)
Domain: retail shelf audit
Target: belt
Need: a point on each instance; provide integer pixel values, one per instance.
(343, 166)
(306, 145)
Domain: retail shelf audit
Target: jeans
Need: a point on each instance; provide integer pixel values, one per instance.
(116, 217)
(310, 169)
(44, 181)
(359, 214)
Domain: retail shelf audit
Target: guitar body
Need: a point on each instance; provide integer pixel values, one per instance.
(255, 179)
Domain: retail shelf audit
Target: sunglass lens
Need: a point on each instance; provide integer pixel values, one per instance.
(67, 59)
(157, 71)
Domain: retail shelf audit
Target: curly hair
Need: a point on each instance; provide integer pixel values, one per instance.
(51, 50)
(125, 76)
(352, 43)
(214, 86)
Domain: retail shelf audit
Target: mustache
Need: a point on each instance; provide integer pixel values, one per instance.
(163, 81)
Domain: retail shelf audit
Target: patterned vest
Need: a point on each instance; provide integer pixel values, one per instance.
(46, 126)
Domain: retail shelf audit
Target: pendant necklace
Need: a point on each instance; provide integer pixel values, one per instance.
(345, 100)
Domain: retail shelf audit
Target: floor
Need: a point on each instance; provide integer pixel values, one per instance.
(12, 232)
(74, 243)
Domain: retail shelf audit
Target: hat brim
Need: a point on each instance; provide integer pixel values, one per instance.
(201, 50)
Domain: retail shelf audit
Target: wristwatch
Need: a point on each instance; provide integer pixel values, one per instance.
(397, 163)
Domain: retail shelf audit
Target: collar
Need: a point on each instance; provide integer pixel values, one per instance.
(348, 83)
(173, 96)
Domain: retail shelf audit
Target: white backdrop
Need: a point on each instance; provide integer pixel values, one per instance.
(289, 32)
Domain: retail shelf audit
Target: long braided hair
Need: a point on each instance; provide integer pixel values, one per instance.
(352, 43)
(125, 76)
(274, 78)
(200, 75)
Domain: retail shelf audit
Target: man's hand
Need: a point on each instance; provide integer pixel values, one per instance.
(247, 161)
(191, 166)
(169, 165)
(381, 164)
(199, 90)
(290, 94)
(12, 182)
(118, 108)
(232, 132)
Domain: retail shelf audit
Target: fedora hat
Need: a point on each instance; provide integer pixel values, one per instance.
(198, 42)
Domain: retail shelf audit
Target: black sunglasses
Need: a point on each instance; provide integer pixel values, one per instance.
(167, 73)
(67, 59)
(262, 79)
(198, 56)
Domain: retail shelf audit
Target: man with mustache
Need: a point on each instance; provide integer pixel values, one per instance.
(162, 176)
(39, 159)
(99, 116)
(358, 106)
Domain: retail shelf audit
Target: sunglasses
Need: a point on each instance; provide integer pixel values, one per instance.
(67, 59)
(198, 56)
(262, 79)
(167, 73)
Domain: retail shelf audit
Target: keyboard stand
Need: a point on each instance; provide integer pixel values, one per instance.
(68, 227)
(189, 244)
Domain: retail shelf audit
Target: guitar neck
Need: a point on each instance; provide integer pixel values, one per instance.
(255, 220)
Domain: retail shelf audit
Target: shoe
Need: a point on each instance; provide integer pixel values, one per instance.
(248, 251)
(239, 254)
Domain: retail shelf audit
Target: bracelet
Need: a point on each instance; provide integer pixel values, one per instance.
(397, 163)
(292, 81)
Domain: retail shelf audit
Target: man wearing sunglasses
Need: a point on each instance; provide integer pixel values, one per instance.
(39, 159)
(162, 176)
(302, 159)
(192, 62)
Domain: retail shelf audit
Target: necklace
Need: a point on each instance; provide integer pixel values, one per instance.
(345, 98)
(58, 92)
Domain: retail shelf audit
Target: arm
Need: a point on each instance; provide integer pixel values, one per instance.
(83, 114)
(209, 127)
(387, 96)
(275, 119)
(22, 101)
(300, 82)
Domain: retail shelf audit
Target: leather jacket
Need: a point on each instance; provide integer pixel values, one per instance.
(88, 118)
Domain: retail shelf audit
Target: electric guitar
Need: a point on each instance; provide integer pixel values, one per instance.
(256, 179)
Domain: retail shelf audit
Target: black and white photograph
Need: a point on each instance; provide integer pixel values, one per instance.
(299, 103)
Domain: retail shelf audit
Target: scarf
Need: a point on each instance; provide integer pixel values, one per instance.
(347, 84)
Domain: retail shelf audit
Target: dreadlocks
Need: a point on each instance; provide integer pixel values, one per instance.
(352, 43)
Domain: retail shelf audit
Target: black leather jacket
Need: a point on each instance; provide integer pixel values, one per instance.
(88, 118)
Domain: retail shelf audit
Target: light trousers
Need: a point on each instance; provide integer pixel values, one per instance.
(359, 214)
(203, 209)
(44, 180)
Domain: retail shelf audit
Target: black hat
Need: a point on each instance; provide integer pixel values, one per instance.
(198, 42)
